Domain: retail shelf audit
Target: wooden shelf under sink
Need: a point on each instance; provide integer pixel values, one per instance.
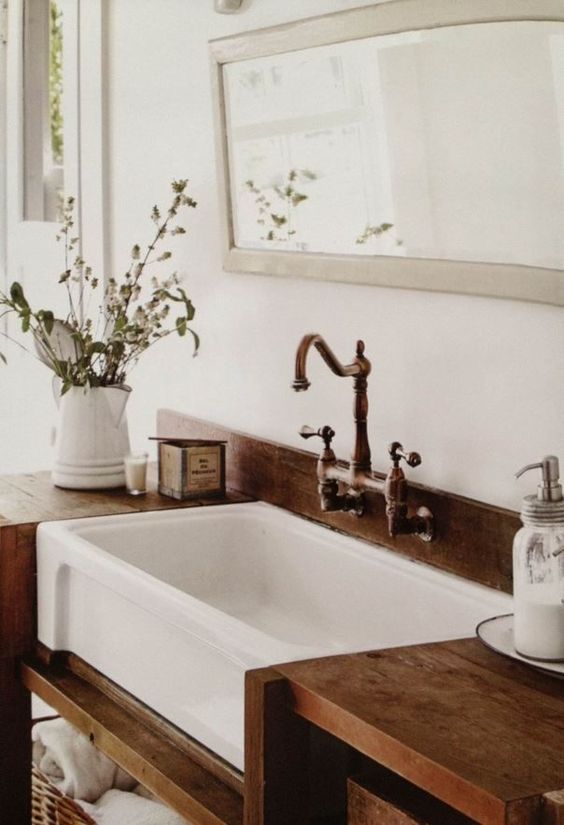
(179, 771)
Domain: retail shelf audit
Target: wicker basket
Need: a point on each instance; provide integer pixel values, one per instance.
(50, 807)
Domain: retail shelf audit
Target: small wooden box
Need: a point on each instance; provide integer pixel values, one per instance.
(190, 468)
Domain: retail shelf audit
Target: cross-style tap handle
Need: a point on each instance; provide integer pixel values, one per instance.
(326, 433)
(397, 452)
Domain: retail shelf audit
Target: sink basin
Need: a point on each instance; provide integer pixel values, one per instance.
(175, 605)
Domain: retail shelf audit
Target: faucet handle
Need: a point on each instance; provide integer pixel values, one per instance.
(326, 433)
(397, 452)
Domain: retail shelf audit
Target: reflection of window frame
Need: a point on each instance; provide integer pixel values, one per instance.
(43, 180)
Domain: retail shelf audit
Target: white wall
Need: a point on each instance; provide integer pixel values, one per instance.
(474, 384)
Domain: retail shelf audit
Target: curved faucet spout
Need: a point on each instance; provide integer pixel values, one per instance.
(359, 367)
(358, 476)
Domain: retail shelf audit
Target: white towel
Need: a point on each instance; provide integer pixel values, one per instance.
(73, 764)
(121, 808)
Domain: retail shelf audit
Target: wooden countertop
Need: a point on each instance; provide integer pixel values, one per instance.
(30, 498)
(479, 731)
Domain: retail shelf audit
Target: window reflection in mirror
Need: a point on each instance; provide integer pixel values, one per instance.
(43, 110)
(445, 143)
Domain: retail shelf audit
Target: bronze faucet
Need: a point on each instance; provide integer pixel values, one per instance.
(358, 476)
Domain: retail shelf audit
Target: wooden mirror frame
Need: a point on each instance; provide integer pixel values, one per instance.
(527, 283)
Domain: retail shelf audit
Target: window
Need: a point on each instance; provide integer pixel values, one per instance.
(43, 110)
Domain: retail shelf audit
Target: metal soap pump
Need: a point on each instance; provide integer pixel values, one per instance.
(538, 568)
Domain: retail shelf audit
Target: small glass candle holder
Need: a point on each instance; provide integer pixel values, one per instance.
(136, 473)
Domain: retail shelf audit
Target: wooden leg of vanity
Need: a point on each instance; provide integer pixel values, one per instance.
(17, 630)
(15, 746)
(276, 753)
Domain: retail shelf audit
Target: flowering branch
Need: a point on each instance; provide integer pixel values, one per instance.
(133, 314)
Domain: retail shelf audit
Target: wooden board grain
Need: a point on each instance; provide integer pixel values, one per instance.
(378, 793)
(137, 745)
(276, 780)
(367, 808)
(31, 498)
(62, 661)
(453, 718)
(15, 747)
(473, 539)
(17, 630)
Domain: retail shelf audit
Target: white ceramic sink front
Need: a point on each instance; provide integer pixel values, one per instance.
(175, 605)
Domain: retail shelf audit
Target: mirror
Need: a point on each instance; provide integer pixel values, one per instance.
(399, 145)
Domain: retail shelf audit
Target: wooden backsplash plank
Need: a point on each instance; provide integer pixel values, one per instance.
(473, 539)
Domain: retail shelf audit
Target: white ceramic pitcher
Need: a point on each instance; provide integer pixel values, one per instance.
(92, 437)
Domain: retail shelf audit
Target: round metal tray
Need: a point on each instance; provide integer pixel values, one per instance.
(497, 634)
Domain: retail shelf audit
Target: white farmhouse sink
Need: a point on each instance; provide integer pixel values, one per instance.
(175, 605)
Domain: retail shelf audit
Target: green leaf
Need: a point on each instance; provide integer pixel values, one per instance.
(117, 348)
(181, 326)
(298, 198)
(171, 297)
(196, 338)
(48, 321)
(3, 358)
(17, 295)
(190, 309)
(93, 347)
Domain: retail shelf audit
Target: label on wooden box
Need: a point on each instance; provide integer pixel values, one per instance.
(204, 470)
(190, 468)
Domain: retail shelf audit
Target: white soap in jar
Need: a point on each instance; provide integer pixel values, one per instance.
(538, 568)
(539, 631)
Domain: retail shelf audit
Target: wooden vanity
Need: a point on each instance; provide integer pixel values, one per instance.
(440, 734)
(437, 733)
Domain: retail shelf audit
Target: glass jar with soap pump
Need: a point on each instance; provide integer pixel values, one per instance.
(538, 568)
